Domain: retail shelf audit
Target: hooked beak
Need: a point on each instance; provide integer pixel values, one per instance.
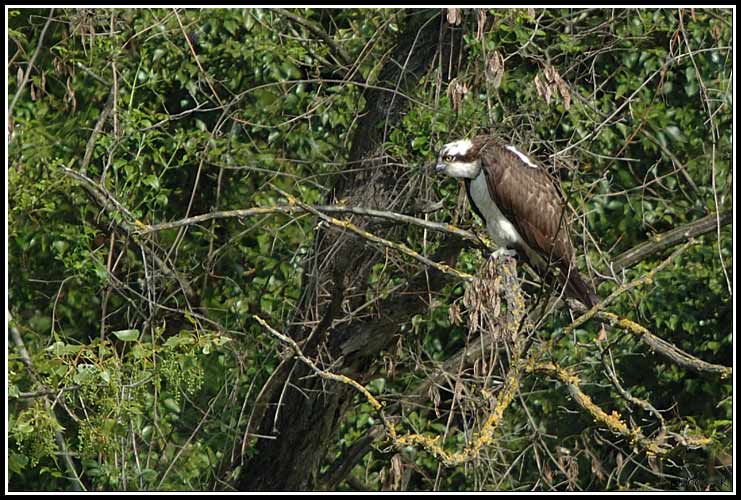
(440, 167)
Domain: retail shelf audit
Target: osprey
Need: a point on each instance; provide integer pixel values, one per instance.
(522, 209)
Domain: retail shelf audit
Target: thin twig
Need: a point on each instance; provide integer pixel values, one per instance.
(343, 57)
(297, 209)
(29, 66)
(401, 247)
(58, 436)
(206, 76)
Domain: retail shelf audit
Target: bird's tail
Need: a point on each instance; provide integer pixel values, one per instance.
(580, 289)
(576, 287)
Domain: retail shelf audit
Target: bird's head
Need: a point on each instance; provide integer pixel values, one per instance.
(458, 159)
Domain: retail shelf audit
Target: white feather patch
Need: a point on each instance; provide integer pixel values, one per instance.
(522, 156)
(463, 170)
(457, 148)
(501, 230)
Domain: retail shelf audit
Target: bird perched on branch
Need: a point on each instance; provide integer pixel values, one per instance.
(523, 210)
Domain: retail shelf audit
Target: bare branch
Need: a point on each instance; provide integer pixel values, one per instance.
(667, 349)
(90, 148)
(342, 56)
(130, 224)
(340, 209)
(612, 421)
(346, 224)
(670, 238)
(646, 278)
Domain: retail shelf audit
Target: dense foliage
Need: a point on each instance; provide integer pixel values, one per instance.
(135, 360)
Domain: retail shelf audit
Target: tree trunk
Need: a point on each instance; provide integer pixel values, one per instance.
(309, 409)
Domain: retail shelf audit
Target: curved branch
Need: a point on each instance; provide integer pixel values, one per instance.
(667, 349)
(329, 209)
(646, 278)
(623, 261)
(128, 223)
(612, 421)
(401, 247)
(659, 345)
(670, 238)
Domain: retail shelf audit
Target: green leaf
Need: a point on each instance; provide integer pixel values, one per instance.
(127, 335)
(172, 405)
(16, 462)
(151, 181)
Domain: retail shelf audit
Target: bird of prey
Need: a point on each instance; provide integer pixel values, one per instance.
(523, 210)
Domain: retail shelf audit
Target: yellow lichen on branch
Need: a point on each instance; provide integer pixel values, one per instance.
(486, 436)
(506, 396)
(613, 421)
(401, 247)
(665, 348)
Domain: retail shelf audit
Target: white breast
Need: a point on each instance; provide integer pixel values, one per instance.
(499, 228)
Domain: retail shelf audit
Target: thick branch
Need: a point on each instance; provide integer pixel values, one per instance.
(401, 247)
(656, 343)
(646, 278)
(667, 349)
(670, 238)
(623, 261)
(612, 421)
(341, 467)
(506, 395)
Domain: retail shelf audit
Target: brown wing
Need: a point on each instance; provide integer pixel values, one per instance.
(529, 199)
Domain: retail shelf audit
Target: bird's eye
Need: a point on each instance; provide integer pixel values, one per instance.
(448, 158)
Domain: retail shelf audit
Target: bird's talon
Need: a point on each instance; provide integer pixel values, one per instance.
(503, 252)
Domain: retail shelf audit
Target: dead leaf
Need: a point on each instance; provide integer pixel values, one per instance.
(458, 390)
(434, 394)
(547, 474)
(543, 89)
(454, 16)
(597, 468)
(481, 24)
(563, 89)
(396, 472)
(483, 365)
(495, 69)
(70, 96)
(602, 336)
(553, 84)
(457, 90)
(716, 31)
(454, 314)
(390, 365)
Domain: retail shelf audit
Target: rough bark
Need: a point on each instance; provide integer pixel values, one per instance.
(310, 409)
